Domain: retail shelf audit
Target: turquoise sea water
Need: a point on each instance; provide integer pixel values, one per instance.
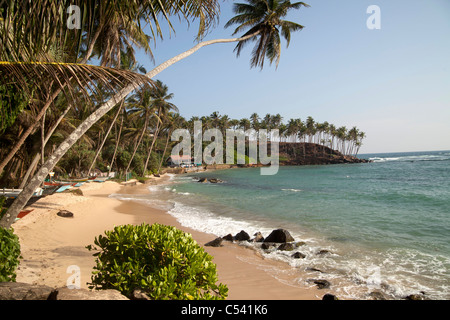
(386, 224)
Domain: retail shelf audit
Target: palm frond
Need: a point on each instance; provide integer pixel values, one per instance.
(78, 82)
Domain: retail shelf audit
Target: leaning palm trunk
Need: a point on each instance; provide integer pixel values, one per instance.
(53, 159)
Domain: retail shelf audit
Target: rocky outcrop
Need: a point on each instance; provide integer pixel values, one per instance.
(84, 294)
(313, 154)
(25, 291)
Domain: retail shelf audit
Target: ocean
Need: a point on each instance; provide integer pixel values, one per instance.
(385, 225)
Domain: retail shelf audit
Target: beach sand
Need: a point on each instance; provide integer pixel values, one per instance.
(50, 244)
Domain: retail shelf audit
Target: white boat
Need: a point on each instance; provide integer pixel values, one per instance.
(13, 193)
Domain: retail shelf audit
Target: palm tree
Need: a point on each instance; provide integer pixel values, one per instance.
(142, 109)
(265, 26)
(264, 17)
(160, 97)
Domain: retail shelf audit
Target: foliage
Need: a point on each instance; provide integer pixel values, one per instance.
(9, 254)
(163, 261)
(78, 158)
(2, 203)
(11, 105)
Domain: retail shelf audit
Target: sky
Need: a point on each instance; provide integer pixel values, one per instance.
(392, 83)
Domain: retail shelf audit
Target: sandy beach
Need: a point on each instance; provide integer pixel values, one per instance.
(51, 244)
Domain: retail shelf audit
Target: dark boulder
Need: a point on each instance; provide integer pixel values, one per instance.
(377, 295)
(323, 252)
(215, 243)
(65, 214)
(298, 255)
(228, 237)
(329, 297)
(286, 247)
(321, 283)
(279, 236)
(267, 245)
(242, 236)
(314, 269)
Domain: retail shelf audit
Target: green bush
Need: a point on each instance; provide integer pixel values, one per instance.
(9, 255)
(162, 261)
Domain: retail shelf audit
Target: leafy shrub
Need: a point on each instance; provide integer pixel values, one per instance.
(162, 261)
(9, 255)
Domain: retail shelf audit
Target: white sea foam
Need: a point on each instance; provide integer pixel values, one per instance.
(292, 190)
(205, 221)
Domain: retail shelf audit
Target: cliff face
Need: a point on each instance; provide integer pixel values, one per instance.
(313, 154)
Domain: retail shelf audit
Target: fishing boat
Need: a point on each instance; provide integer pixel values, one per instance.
(13, 193)
(24, 213)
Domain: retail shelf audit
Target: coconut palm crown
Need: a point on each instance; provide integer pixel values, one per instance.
(264, 17)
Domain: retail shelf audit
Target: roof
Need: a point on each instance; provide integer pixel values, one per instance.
(180, 158)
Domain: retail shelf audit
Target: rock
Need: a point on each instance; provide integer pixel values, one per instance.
(139, 294)
(242, 236)
(315, 270)
(228, 237)
(77, 192)
(65, 214)
(215, 243)
(267, 245)
(203, 180)
(377, 295)
(298, 255)
(24, 291)
(258, 237)
(323, 252)
(329, 297)
(279, 236)
(415, 297)
(213, 180)
(84, 294)
(321, 283)
(286, 247)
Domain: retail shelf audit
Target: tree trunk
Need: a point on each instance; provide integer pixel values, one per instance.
(47, 137)
(138, 143)
(165, 149)
(25, 135)
(152, 145)
(117, 145)
(20, 202)
(106, 137)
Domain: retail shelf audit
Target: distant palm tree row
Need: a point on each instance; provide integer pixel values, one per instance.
(346, 141)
